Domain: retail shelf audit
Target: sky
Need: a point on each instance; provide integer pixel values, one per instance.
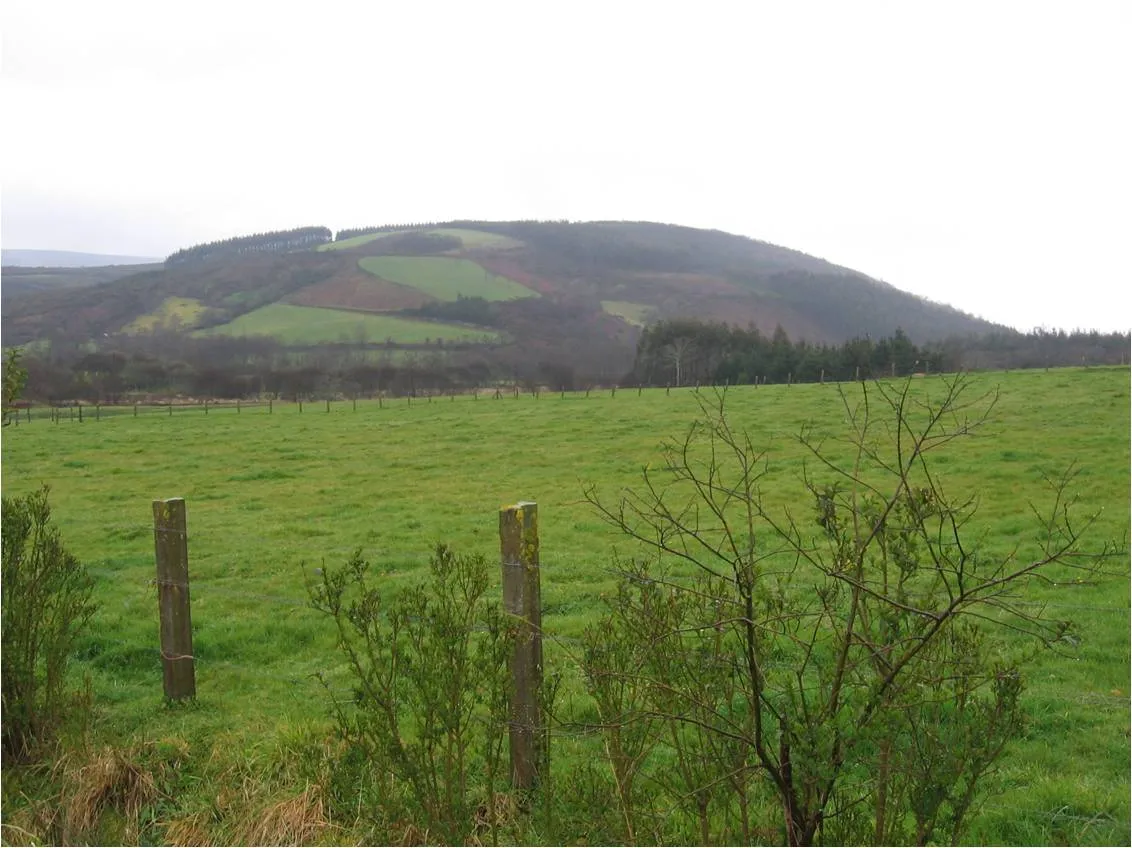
(974, 153)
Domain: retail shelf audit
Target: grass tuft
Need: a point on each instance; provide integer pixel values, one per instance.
(298, 820)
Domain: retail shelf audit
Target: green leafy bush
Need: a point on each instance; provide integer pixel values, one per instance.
(426, 725)
(47, 602)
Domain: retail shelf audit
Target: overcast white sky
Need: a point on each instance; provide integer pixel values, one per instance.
(975, 153)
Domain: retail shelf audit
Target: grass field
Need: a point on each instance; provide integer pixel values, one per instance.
(632, 313)
(312, 325)
(356, 241)
(478, 239)
(182, 311)
(271, 497)
(469, 238)
(444, 278)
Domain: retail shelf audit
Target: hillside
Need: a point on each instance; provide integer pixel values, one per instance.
(21, 258)
(21, 279)
(540, 284)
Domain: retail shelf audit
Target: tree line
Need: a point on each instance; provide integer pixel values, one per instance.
(688, 352)
(278, 241)
(354, 232)
(167, 363)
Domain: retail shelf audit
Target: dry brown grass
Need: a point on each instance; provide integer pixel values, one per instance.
(195, 829)
(299, 820)
(111, 779)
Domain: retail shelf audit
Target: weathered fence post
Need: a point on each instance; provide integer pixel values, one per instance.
(80, 413)
(518, 540)
(171, 544)
(328, 406)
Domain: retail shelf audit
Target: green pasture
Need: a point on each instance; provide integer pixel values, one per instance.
(478, 239)
(629, 312)
(312, 325)
(179, 311)
(355, 241)
(271, 497)
(474, 239)
(444, 278)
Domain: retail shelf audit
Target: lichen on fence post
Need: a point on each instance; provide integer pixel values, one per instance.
(171, 546)
(518, 539)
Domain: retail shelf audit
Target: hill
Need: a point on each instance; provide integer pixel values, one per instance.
(597, 281)
(18, 279)
(68, 259)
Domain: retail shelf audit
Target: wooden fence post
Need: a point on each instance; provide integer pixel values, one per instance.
(171, 544)
(518, 540)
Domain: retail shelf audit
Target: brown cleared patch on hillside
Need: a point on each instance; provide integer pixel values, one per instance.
(355, 289)
(506, 266)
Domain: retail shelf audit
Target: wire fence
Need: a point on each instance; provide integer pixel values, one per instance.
(76, 411)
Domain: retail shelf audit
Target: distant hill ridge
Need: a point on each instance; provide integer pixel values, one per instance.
(19, 258)
(592, 285)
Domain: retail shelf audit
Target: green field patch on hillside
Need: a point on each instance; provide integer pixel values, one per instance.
(313, 325)
(636, 314)
(478, 239)
(444, 278)
(469, 239)
(356, 241)
(181, 312)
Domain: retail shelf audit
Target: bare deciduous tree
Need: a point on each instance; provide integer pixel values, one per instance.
(855, 667)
